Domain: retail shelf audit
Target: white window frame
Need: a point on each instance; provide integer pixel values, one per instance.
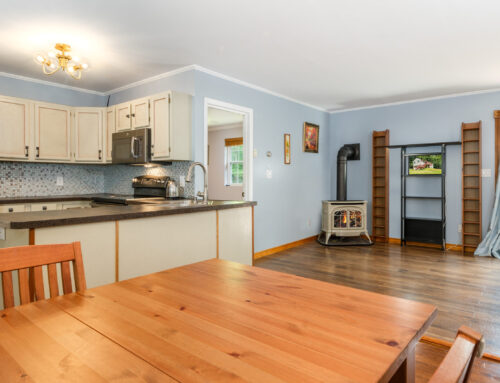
(227, 166)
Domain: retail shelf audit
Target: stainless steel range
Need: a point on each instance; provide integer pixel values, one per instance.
(147, 189)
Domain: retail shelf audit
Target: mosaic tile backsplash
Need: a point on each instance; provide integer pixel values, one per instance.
(20, 179)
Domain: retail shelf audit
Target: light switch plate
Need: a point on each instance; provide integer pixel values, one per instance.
(485, 172)
(182, 181)
(269, 173)
(59, 181)
(2, 233)
(255, 153)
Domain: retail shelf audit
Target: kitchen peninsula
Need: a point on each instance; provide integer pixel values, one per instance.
(122, 242)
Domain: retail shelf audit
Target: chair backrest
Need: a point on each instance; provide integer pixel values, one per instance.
(457, 364)
(29, 262)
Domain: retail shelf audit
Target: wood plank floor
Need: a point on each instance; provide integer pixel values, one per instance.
(465, 289)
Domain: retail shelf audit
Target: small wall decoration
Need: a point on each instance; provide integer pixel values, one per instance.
(287, 149)
(311, 137)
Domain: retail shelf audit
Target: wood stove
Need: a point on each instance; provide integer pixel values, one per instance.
(344, 219)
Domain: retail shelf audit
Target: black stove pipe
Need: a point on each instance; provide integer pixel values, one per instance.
(345, 152)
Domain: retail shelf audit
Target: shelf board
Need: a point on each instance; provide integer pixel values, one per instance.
(474, 234)
(471, 152)
(424, 145)
(471, 199)
(424, 219)
(424, 175)
(421, 197)
(475, 140)
(472, 210)
(472, 222)
(471, 175)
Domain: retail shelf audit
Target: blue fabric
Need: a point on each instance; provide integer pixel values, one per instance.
(490, 246)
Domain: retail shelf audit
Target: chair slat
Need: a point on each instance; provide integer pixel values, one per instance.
(39, 288)
(79, 271)
(8, 290)
(66, 278)
(24, 287)
(53, 286)
(30, 260)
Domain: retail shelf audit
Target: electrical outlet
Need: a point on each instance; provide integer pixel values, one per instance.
(255, 153)
(182, 181)
(485, 172)
(59, 181)
(459, 228)
(269, 173)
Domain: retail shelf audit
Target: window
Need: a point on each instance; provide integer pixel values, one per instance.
(234, 161)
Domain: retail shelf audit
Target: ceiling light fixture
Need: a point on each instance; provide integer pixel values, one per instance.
(61, 60)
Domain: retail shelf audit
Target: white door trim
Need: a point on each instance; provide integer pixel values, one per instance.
(247, 139)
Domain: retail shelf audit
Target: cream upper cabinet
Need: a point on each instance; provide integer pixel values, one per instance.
(140, 113)
(88, 135)
(171, 126)
(110, 129)
(52, 132)
(123, 120)
(14, 128)
(160, 126)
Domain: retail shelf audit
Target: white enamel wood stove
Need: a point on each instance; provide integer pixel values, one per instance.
(344, 219)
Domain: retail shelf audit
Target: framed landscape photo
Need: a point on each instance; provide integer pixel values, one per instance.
(287, 149)
(425, 164)
(311, 138)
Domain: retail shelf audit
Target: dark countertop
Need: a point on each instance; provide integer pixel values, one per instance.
(52, 198)
(31, 220)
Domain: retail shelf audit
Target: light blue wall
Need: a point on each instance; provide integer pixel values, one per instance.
(42, 92)
(427, 121)
(293, 196)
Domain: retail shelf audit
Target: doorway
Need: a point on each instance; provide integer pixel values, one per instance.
(228, 149)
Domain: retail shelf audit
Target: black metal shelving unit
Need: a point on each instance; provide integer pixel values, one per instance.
(422, 229)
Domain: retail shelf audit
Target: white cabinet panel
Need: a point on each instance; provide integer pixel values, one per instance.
(14, 128)
(235, 235)
(98, 248)
(160, 127)
(17, 208)
(43, 206)
(148, 245)
(140, 113)
(110, 129)
(88, 135)
(123, 120)
(52, 132)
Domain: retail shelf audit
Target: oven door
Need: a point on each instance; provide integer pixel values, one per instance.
(132, 147)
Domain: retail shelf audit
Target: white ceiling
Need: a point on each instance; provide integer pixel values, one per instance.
(217, 117)
(329, 53)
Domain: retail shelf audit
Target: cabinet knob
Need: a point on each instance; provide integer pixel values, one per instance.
(133, 114)
(128, 115)
(11, 209)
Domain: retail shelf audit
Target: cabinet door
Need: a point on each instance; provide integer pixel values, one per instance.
(14, 128)
(140, 113)
(110, 129)
(13, 208)
(88, 135)
(44, 206)
(160, 127)
(52, 132)
(123, 121)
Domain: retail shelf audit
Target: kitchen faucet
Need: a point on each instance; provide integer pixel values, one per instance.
(205, 181)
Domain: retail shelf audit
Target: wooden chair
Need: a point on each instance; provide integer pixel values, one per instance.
(29, 260)
(457, 364)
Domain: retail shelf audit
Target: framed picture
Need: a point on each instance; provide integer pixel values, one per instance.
(287, 149)
(311, 138)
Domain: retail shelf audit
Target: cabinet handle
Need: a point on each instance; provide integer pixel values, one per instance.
(26, 151)
(152, 150)
(100, 154)
(11, 209)
(37, 152)
(44, 207)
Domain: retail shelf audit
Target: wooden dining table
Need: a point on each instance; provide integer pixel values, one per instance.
(214, 321)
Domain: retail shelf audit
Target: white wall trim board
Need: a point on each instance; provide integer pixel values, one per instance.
(255, 87)
(50, 83)
(153, 78)
(247, 138)
(216, 128)
(453, 95)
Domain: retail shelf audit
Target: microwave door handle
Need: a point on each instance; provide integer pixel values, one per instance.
(132, 147)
